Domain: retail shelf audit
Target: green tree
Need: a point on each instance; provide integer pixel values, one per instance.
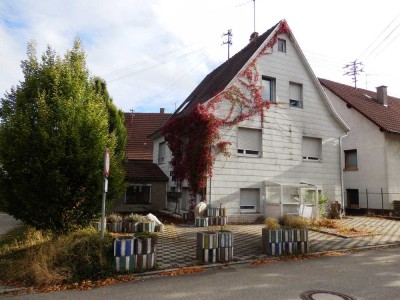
(55, 126)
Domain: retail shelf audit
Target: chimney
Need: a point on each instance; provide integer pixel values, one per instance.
(253, 36)
(381, 95)
(162, 110)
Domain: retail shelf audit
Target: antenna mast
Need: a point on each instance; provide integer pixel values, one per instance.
(354, 69)
(229, 41)
(254, 5)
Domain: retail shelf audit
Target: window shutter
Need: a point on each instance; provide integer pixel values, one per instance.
(249, 139)
(250, 197)
(311, 147)
(295, 91)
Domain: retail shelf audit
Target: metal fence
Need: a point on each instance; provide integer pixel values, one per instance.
(371, 200)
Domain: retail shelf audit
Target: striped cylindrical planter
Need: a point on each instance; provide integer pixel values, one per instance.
(201, 222)
(272, 242)
(225, 246)
(147, 227)
(135, 254)
(130, 227)
(207, 244)
(114, 227)
(284, 241)
(221, 220)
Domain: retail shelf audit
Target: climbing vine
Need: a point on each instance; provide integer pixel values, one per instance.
(194, 137)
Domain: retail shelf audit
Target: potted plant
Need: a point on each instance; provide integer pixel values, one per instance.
(272, 237)
(131, 222)
(114, 223)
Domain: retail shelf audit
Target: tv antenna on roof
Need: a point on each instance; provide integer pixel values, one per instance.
(229, 41)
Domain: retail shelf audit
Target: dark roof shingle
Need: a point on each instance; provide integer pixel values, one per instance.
(385, 117)
(138, 127)
(143, 171)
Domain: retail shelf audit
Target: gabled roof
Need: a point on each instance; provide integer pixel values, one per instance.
(138, 127)
(143, 171)
(216, 81)
(387, 118)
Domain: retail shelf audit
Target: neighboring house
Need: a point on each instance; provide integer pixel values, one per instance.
(147, 184)
(371, 151)
(278, 154)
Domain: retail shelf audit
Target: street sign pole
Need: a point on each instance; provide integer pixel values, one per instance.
(105, 189)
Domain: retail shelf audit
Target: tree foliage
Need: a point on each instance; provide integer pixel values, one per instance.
(55, 126)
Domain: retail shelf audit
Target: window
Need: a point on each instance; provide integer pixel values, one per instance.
(350, 160)
(295, 95)
(161, 152)
(249, 141)
(249, 200)
(282, 45)
(312, 148)
(137, 194)
(353, 200)
(268, 89)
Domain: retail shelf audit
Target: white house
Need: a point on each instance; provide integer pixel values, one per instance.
(371, 151)
(278, 153)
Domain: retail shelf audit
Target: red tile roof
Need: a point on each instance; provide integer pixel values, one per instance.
(143, 171)
(138, 127)
(364, 101)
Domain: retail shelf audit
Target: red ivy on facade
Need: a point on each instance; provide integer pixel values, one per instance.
(194, 138)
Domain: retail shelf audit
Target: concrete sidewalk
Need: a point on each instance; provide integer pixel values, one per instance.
(7, 223)
(177, 244)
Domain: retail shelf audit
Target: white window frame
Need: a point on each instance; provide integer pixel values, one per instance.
(249, 208)
(161, 156)
(244, 150)
(311, 155)
(282, 45)
(270, 83)
(295, 100)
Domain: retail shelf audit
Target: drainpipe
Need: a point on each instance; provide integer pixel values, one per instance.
(341, 170)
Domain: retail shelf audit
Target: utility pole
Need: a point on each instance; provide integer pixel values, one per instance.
(229, 41)
(254, 10)
(354, 69)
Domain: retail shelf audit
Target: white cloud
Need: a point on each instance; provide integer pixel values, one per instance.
(154, 53)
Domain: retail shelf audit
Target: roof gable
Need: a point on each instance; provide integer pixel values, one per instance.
(218, 80)
(138, 127)
(364, 101)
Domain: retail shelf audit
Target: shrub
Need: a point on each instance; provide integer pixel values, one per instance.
(294, 222)
(73, 257)
(135, 218)
(112, 218)
(272, 223)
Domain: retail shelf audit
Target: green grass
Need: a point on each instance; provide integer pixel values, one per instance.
(35, 257)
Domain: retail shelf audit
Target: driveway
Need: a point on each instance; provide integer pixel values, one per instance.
(7, 223)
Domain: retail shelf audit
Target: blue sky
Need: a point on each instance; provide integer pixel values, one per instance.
(153, 53)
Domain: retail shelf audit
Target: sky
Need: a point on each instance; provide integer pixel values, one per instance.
(153, 53)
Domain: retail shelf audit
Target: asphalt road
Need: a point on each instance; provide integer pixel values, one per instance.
(373, 274)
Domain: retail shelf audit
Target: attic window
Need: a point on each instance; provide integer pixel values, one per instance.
(282, 45)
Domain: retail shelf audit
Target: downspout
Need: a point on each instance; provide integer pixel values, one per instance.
(209, 194)
(341, 170)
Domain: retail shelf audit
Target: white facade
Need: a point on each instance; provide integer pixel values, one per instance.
(378, 159)
(282, 136)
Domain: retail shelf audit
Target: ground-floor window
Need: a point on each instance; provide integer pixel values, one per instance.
(138, 194)
(249, 200)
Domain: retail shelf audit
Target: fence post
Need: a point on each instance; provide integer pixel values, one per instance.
(382, 201)
(366, 192)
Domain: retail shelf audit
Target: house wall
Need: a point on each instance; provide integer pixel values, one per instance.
(393, 165)
(282, 132)
(158, 199)
(372, 157)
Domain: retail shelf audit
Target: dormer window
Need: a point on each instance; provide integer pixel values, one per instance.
(282, 45)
